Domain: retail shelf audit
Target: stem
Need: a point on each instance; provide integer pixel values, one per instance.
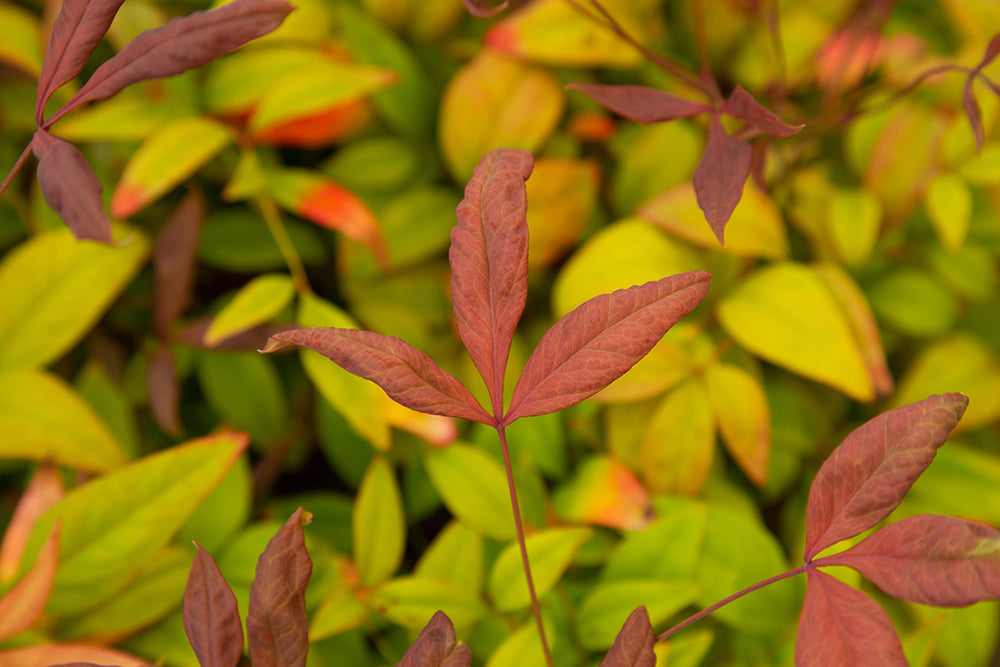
(15, 169)
(722, 603)
(519, 526)
(704, 60)
(272, 216)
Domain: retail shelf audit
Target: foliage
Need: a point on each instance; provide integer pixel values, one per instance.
(857, 278)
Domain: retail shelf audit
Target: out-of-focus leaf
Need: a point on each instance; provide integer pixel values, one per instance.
(949, 207)
(550, 552)
(380, 165)
(436, 646)
(378, 525)
(641, 103)
(743, 417)
(666, 365)
(236, 84)
(455, 555)
(967, 271)
(126, 117)
(246, 390)
(720, 176)
(786, 314)
(741, 104)
(256, 302)
(174, 257)
(130, 514)
(164, 390)
(42, 315)
(963, 481)
(70, 187)
(604, 492)
(44, 490)
(669, 548)
(633, 645)
(914, 302)
(561, 198)
(522, 648)
(65, 654)
(607, 602)
(484, 9)
(854, 219)
(224, 512)
(20, 40)
(495, 102)
(234, 239)
(211, 618)
(473, 487)
(409, 601)
(641, 172)
(422, 21)
(42, 418)
(678, 444)
(22, 605)
(169, 156)
(340, 610)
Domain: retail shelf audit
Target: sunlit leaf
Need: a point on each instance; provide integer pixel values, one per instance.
(410, 601)
(743, 417)
(473, 487)
(606, 603)
(678, 444)
(456, 555)
(550, 552)
(256, 302)
(604, 492)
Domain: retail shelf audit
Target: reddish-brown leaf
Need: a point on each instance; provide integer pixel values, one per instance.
(70, 187)
(277, 625)
(590, 347)
(75, 34)
(194, 334)
(991, 52)
(867, 476)
(745, 106)
(174, 257)
(930, 559)
(641, 103)
(489, 262)
(436, 646)
(22, 605)
(183, 43)
(720, 175)
(972, 112)
(163, 390)
(406, 374)
(842, 626)
(211, 616)
(483, 10)
(633, 646)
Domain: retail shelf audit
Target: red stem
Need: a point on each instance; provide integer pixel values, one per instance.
(16, 168)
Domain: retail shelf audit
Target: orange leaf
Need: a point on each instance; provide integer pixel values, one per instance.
(23, 604)
(44, 491)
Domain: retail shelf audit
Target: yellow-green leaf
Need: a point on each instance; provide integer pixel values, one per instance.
(949, 207)
(743, 417)
(523, 648)
(678, 445)
(255, 303)
(411, 601)
(53, 289)
(473, 487)
(339, 612)
(20, 39)
(853, 221)
(378, 524)
(455, 555)
(609, 603)
(550, 552)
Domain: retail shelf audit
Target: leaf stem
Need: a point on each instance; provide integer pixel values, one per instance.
(272, 216)
(735, 596)
(15, 169)
(519, 526)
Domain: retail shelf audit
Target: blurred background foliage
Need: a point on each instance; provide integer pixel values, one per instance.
(311, 179)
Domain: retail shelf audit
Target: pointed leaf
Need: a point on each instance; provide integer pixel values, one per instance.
(489, 263)
(483, 9)
(175, 253)
(633, 646)
(597, 342)
(183, 43)
(719, 178)
(277, 626)
(406, 374)
(842, 626)
(929, 559)
(378, 525)
(255, 303)
(744, 106)
(78, 655)
(22, 605)
(867, 476)
(641, 103)
(70, 187)
(550, 551)
(211, 617)
(972, 112)
(44, 490)
(436, 646)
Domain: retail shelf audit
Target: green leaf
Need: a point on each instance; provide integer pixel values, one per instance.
(53, 289)
(113, 526)
(255, 303)
(523, 648)
(669, 548)
(234, 239)
(42, 418)
(411, 601)
(603, 610)
(550, 552)
(473, 487)
(455, 555)
(914, 303)
(224, 511)
(949, 206)
(741, 412)
(20, 38)
(378, 524)
(962, 482)
(245, 389)
(109, 401)
(641, 172)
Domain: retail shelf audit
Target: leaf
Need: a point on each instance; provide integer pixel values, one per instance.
(473, 487)
(605, 604)
(604, 492)
(743, 416)
(78, 29)
(633, 646)
(741, 104)
(277, 626)
(564, 190)
(972, 112)
(175, 253)
(87, 655)
(246, 390)
(867, 476)
(929, 559)
(20, 39)
(550, 552)
(378, 525)
(44, 490)
(255, 303)
(641, 103)
(406, 374)
(853, 223)
(720, 176)
(455, 555)
(409, 601)
(482, 8)
(436, 646)
(211, 618)
(183, 43)
(164, 390)
(596, 343)
(22, 605)
(489, 263)
(678, 441)
(842, 626)
(949, 207)
(523, 647)
(70, 187)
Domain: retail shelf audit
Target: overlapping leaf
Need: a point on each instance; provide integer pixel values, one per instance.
(70, 187)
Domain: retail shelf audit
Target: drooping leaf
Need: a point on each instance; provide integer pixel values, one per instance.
(929, 559)
(842, 626)
(44, 490)
(436, 646)
(277, 626)
(867, 476)
(741, 104)
(22, 605)
(550, 552)
(255, 303)
(489, 263)
(743, 416)
(633, 646)
(720, 176)
(175, 253)
(211, 618)
(472, 485)
(70, 187)
(641, 103)
(378, 525)
(589, 348)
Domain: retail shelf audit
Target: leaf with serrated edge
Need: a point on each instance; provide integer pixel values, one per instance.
(720, 176)
(641, 103)
(436, 646)
(277, 626)
(597, 342)
(867, 476)
(211, 617)
(70, 187)
(842, 626)
(21, 606)
(929, 559)
(489, 263)
(744, 106)
(633, 646)
(407, 375)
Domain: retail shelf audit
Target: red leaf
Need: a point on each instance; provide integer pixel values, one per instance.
(70, 187)
(633, 646)
(992, 51)
(277, 625)
(590, 347)
(867, 476)
(481, 9)
(406, 374)
(335, 207)
(211, 616)
(971, 107)
(930, 559)
(436, 646)
(183, 43)
(163, 390)
(641, 103)
(720, 175)
(193, 335)
(489, 262)
(77, 31)
(174, 257)
(842, 626)
(744, 106)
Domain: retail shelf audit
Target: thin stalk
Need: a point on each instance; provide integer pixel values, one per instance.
(269, 211)
(722, 603)
(519, 526)
(704, 60)
(15, 169)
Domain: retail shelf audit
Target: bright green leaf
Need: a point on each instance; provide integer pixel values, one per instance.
(455, 555)
(378, 526)
(550, 552)
(473, 487)
(339, 612)
(255, 303)
(669, 548)
(224, 511)
(411, 601)
(607, 606)
(523, 648)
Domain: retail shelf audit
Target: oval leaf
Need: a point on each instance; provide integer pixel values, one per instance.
(211, 617)
(70, 187)
(378, 525)
(678, 444)
(550, 552)
(743, 416)
(607, 602)
(255, 303)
